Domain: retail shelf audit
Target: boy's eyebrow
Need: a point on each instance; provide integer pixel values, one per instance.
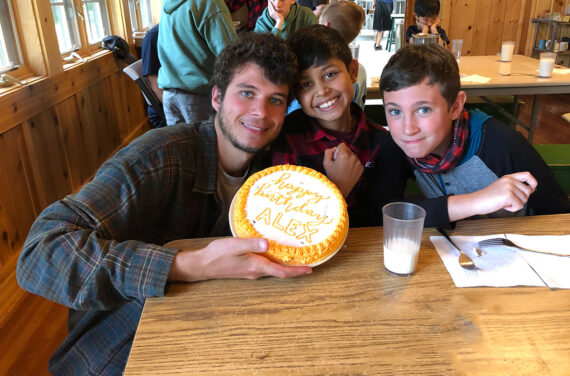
(418, 103)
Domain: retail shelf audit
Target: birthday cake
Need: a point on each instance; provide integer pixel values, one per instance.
(300, 212)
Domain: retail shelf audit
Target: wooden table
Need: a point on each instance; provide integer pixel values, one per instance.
(350, 316)
(523, 80)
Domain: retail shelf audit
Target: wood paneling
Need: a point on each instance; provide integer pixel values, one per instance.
(54, 134)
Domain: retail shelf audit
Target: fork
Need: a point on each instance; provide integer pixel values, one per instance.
(506, 242)
(464, 261)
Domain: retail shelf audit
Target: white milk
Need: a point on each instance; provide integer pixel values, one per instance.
(401, 255)
(546, 65)
(507, 50)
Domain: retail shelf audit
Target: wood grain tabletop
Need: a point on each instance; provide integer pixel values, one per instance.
(352, 317)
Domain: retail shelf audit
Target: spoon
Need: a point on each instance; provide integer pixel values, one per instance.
(464, 260)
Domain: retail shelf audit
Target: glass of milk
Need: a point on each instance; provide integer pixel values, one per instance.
(546, 64)
(403, 226)
(456, 47)
(507, 49)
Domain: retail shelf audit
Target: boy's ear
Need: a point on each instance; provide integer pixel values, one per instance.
(216, 98)
(457, 105)
(353, 70)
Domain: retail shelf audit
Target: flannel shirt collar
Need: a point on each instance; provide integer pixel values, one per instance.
(316, 133)
(206, 158)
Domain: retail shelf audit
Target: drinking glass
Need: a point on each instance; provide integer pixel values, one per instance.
(507, 50)
(403, 226)
(546, 64)
(456, 47)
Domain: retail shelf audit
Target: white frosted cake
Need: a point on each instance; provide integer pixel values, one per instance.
(300, 212)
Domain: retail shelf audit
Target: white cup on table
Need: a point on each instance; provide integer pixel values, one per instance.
(354, 49)
(403, 227)
(507, 49)
(456, 47)
(546, 64)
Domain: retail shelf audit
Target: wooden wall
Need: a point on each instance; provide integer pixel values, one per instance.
(484, 24)
(54, 134)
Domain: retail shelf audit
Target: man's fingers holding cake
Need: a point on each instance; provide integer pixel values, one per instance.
(255, 245)
(271, 268)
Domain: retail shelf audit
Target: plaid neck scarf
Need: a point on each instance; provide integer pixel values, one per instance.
(432, 164)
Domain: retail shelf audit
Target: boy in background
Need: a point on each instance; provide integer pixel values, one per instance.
(283, 18)
(426, 13)
(347, 18)
(331, 133)
(466, 163)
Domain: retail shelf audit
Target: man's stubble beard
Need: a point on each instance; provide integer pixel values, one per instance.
(230, 137)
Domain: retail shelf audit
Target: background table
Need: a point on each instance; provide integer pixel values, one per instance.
(523, 80)
(350, 316)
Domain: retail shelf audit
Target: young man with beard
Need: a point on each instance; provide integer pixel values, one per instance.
(100, 253)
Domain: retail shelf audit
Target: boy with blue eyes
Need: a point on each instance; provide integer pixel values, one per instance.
(331, 134)
(466, 163)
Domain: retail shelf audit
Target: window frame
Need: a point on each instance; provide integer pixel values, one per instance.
(14, 44)
(137, 21)
(77, 20)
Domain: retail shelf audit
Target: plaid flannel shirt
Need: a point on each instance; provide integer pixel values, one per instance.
(254, 9)
(99, 251)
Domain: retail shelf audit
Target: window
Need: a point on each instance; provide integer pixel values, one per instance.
(96, 20)
(66, 25)
(141, 15)
(80, 24)
(10, 57)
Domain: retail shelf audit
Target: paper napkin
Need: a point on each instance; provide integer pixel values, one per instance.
(475, 78)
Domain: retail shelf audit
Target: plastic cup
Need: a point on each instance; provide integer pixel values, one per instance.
(354, 50)
(546, 64)
(507, 50)
(403, 226)
(456, 47)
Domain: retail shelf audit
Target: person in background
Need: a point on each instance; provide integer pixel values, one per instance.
(254, 9)
(382, 20)
(426, 13)
(466, 163)
(347, 18)
(331, 134)
(192, 34)
(315, 5)
(100, 251)
(283, 18)
(150, 67)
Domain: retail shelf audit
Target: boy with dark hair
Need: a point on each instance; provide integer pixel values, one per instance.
(283, 18)
(332, 135)
(100, 251)
(466, 163)
(347, 18)
(426, 13)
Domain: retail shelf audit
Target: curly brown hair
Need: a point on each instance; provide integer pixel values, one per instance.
(268, 51)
